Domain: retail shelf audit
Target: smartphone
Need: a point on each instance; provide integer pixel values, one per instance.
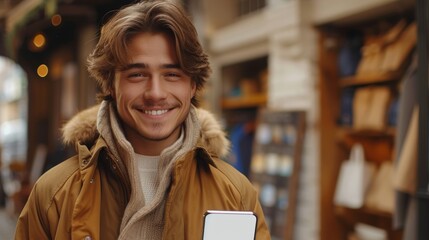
(229, 225)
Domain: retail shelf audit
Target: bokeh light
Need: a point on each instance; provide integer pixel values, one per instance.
(56, 20)
(39, 40)
(42, 70)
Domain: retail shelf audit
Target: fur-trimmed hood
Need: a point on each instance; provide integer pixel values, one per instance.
(82, 128)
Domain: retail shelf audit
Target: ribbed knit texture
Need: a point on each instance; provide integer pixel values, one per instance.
(140, 220)
(148, 169)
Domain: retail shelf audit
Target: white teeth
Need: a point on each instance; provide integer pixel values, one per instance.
(155, 112)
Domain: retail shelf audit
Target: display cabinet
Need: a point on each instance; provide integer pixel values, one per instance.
(275, 167)
(362, 67)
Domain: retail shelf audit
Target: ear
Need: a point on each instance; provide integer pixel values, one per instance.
(112, 92)
(112, 87)
(193, 88)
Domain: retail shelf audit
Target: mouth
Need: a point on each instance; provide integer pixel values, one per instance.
(155, 112)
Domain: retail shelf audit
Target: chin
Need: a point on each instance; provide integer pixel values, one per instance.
(161, 135)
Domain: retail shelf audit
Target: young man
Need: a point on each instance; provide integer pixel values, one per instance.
(148, 164)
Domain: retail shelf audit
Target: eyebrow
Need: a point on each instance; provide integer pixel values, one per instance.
(144, 65)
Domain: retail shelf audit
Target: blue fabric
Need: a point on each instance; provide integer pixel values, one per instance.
(241, 150)
(350, 56)
(346, 108)
(393, 112)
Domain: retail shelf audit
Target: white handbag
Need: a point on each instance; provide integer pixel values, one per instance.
(354, 178)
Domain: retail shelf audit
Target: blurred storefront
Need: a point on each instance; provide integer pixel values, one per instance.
(44, 45)
(284, 56)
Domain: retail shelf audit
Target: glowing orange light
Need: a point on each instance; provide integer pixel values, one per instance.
(56, 20)
(42, 70)
(39, 40)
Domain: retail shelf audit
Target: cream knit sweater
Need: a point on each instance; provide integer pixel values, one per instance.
(148, 171)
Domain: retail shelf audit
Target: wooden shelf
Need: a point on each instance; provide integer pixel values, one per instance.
(378, 145)
(368, 216)
(370, 78)
(365, 215)
(256, 100)
(388, 132)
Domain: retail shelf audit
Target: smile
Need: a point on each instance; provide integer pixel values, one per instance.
(155, 112)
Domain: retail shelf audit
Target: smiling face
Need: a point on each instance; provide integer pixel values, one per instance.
(152, 94)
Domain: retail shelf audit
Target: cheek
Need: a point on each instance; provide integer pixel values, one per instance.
(126, 93)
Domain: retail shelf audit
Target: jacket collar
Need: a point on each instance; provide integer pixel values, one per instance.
(82, 130)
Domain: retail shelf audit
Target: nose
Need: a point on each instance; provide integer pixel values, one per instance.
(155, 89)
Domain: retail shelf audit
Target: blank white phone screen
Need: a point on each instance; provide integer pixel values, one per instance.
(229, 225)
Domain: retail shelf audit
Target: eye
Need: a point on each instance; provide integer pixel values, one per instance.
(136, 75)
(173, 75)
(131, 75)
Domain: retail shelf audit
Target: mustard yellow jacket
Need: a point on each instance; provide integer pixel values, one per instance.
(85, 196)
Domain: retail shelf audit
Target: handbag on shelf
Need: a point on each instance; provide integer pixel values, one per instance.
(370, 107)
(400, 48)
(354, 178)
(388, 52)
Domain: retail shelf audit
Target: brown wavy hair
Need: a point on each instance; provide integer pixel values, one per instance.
(155, 16)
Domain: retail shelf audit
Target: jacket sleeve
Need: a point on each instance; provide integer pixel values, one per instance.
(32, 220)
(262, 232)
(251, 202)
(249, 197)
